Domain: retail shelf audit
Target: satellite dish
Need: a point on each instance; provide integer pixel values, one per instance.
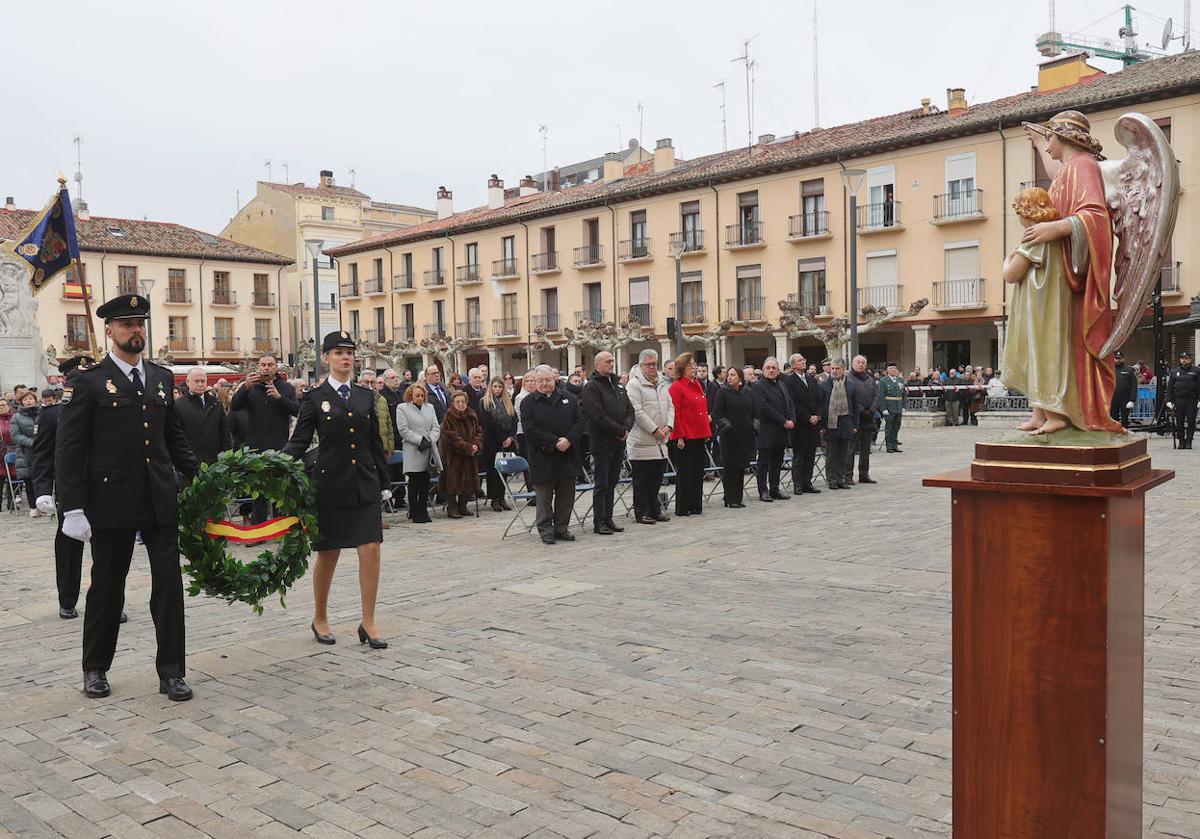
(1168, 31)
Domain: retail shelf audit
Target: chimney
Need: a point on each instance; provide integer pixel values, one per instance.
(956, 100)
(614, 168)
(445, 203)
(495, 193)
(925, 103)
(766, 139)
(9, 203)
(664, 155)
(528, 185)
(81, 209)
(326, 177)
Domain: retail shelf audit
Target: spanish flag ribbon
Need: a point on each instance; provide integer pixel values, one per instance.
(273, 529)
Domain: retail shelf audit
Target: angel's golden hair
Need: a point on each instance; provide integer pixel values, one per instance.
(1035, 204)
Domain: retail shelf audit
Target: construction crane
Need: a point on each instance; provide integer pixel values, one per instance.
(1123, 48)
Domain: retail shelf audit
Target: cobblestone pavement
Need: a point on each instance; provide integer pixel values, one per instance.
(782, 670)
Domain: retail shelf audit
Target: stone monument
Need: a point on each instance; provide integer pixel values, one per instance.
(22, 360)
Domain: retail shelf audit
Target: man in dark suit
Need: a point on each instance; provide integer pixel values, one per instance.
(774, 413)
(1125, 393)
(439, 397)
(806, 434)
(476, 389)
(608, 416)
(839, 410)
(204, 422)
(120, 443)
(270, 403)
(553, 429)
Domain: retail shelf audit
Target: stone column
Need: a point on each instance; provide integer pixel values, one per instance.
(496, 361)
(782, 348)
(924, 347)
(665, 353)
(572, 358)
(460, 363)
(622, 357)
(426, 360)
(999, 344)
(723, 349)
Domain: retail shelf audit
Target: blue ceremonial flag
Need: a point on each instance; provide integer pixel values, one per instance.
(49, 244)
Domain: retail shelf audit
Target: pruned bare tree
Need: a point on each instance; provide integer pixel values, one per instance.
(835, 335)
(608, 335)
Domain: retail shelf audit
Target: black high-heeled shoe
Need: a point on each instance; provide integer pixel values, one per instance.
(373, 643)
(321, 639)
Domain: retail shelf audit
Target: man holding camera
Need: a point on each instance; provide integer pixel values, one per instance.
(270, 403)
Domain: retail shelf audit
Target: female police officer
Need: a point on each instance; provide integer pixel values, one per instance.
(352, 482)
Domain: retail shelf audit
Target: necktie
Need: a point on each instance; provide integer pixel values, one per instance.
(344, 390)
(137, 380)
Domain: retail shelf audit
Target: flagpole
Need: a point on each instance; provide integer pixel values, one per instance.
(84, 285)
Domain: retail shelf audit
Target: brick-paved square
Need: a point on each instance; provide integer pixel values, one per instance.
(782, 670)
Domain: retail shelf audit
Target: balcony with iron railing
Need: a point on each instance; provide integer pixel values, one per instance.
(747, 234)
(504, 269)
(880, 297)
(469, 329)
(583, 316)
(373, 285)
(544, 263)
(178, 294)
(810, 225)
(643, 313)
(745, 309)
(265, 344)
(589, 256)
(435, 277)
(632, 250)
(349, 289)
(693, 312)
(224, 297)
(404, 333)
(226, 344)
(506, 327)
(402, 282)
(813, 302)
(550, 322)
(181, 344)
(691, 240)
(879, 218)
(952, 207)
(1169, 275)
(467, 275)
(262, 298)
(961, 293)
(76, 342)
(369, 336)
(435, 330)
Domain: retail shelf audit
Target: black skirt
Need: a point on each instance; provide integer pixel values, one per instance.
(349, 527)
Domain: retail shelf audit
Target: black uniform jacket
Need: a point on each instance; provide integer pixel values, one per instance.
(41, 455)
(1183, 384)
(1126, 389)
(117, 451)
(351, 465)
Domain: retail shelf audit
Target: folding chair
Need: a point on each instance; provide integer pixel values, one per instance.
(396, 458)
(16, 486)
(819, 464)
(624, 484)
(713, 469)
(785, 471)
(507, 467)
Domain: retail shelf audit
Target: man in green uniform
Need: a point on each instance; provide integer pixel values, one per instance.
(891, 397)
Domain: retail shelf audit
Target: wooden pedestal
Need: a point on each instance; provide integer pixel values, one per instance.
(1048, 620)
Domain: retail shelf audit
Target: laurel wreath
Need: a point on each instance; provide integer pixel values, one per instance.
(246, 474)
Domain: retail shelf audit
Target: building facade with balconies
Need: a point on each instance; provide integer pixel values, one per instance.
(211, 299)
(757, 226)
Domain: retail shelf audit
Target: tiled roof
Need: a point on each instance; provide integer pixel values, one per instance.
(318, 191)
(1151, 80)
(150, 238)
(402, 208)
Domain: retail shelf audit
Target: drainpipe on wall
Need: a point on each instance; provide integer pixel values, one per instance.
(716, 234)
(528, 303)
(1003, 226)
(200, 279)
(391, 291)
(613, 258)
(850, 312)
(450, 284)
(279, 303)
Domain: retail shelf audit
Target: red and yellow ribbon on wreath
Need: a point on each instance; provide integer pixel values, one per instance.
(267, 531)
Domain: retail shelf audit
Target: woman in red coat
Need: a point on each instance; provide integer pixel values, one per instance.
(691, 431)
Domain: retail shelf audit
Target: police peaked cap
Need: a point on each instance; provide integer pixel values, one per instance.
(337, 339)
(74, 362)
(124, 307)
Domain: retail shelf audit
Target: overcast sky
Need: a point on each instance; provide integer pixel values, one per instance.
(180, 104)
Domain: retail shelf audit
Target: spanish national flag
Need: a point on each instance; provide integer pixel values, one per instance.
(268, 530)
(74, 290)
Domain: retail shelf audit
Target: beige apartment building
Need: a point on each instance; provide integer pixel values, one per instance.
(766, 224)
(211, 300)
(281, 218)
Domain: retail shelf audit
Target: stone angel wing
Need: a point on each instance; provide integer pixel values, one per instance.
(1143, 197)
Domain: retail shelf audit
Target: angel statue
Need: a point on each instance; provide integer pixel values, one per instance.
(1061, 328)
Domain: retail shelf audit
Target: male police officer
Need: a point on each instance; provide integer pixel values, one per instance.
(119, 442)
(891, 399)
(1183, 388)
(1125, 392)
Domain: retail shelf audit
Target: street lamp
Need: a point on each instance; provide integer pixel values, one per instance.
(853, 179)
(297, 332)
(675, 248)
(146, 286)
(314, 250)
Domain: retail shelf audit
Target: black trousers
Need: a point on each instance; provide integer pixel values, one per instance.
(1120, 413)
(689, 481)
(555, 501)
(606, 470)
(68, 566)
(647, 478)
(861, 446)
(733, 484)
(804, 456)
(770, 462)
(836, 455)
(112, 551)
(418, 495)
(1185, 419)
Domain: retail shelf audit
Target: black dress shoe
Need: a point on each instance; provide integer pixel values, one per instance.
(737, 505)
(373, 643)
(547, 540)
(867, 480)
(762, 496)
(614, 528)
(95, 684)
(175, 688)
(602, 530)
(779, 496)
(662, 517)
(812, 490)
(321, 639)
(124, 618)
(67, 614)
(647, 520)
(682, 513)
(565, 537)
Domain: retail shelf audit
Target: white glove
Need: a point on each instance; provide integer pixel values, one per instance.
(1129, 405)
(45, 504)
(385, 495)
(75, 526)
(1171, 405)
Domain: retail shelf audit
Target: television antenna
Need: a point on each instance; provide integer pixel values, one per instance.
(1123, 48)
(724, 123)
(817, 73)
(353, 172)
(641, 122)
(749, 65)
(268, 166)
(544, 130)
(79, 166)
(285, 172)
